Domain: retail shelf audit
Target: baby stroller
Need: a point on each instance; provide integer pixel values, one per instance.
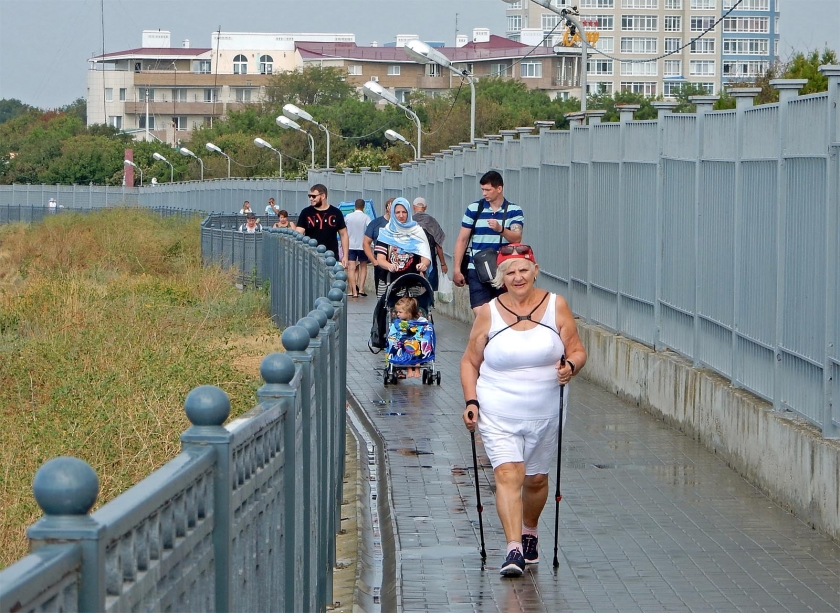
(408, 344)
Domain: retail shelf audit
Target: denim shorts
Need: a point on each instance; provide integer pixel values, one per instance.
(357, 255)
(481, 293)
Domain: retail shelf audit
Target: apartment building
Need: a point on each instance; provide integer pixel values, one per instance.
(156, 91)
(638, 33)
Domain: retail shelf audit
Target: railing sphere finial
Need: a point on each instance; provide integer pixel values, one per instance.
(277, 368)
(319, 315)
(325, 305)
(66, 486)
(341, 275)
(335, 294)
(207, 405)
(310, 324)
(321, 249)
(295, 338)
(342, 285)
(329, 261)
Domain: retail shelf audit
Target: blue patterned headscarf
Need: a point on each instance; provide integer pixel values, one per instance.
(408, 236)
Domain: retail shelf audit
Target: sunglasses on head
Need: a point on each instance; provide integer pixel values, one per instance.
(517, 249)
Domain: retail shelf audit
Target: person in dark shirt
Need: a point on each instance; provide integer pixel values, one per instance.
(322, 221)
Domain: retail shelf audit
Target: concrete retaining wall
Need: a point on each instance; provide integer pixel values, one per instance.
(779, 453)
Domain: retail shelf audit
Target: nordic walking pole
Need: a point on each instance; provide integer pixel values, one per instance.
(557, 496)
(477, 493)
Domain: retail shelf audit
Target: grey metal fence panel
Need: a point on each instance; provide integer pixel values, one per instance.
(719, 135)
(604, 240)
(762, 125)
(45, 580)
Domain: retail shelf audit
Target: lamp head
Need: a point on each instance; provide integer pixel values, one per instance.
(261, 143)
(293, 112)
(186, 152)
(422, 53)
(375, 90)
(158, 156)
(129, 163)
(285, 122)
(212, 147)
(394, 136)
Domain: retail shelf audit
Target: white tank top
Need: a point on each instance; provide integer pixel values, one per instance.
(518, 378)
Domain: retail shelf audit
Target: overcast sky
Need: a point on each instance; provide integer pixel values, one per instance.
(45, 44)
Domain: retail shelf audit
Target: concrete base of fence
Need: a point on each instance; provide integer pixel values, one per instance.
(781, 454)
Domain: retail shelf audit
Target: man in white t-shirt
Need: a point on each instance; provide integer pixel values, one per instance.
(357, 261)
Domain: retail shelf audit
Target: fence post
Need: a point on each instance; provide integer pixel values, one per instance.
(278, 371)
(296, 340)
(207, 407)
(662, 109)
(66, 489)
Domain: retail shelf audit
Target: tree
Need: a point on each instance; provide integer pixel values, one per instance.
(11, 108)
(312, 85)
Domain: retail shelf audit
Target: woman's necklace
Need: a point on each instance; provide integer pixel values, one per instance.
(523, 317)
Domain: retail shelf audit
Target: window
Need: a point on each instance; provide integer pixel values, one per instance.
(604, 23)
(499, 70)
(606, 44)
(109, 94)
(402, 95)
(514, 23)
(750, 5)
(266, 64)
(599, 67)
(704, 46)
(646, 88)
(179, 123)
(514, 6)
(672, 68)
(701, 24)
(638, 69)
(702, 5)
(601, 87)
(142, 122)
(709, 88)
(530, 70)
(701, 68)
(208, 121)
(744, 68)
(243, 94)
(355, 71)
(393, 71)
(640, 23)
(673, 5)
(746, 24)
(201, 66)
(670, 89)
(672, 44)
(673, 23)
(549, 21)
(115, 121)
(179, 94)
(631, 44)
(240, 64)
(211, 94)
(144, 91)
(597, 4)
(639, 4)
(122, 94)
(432, 70)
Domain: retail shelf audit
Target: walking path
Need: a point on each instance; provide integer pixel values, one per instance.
(650, 520)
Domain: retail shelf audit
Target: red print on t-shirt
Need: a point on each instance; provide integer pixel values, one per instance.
(320, 222)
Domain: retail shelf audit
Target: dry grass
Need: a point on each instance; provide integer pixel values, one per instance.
(106, 323)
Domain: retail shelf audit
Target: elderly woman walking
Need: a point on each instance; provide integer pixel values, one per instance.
(523, 346)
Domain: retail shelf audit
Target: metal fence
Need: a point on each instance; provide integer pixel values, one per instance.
(24, 213)
(245, 517)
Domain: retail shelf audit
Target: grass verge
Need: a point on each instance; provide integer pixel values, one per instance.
(107, 321)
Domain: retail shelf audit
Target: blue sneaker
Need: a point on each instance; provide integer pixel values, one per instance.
(514, 565)
(529, 549)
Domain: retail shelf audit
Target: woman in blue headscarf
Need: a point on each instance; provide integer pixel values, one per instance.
(402, 246)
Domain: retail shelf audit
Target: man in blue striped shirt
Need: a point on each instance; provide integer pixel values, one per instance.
(497, 222)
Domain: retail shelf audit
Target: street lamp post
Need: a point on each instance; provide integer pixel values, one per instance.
(422, 53)
(285, 122)
(133, 165)
(261, 143)
(158, 156)
(570, 15)
(374, 89)
(295, 113)
(188, 153)
(395, 137)
(212, 147)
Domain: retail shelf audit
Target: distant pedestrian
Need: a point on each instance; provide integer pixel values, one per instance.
(272, 208)
(436, 237)
(380, 275)
(283, 220)
(523, 346)
(357, 222)
(324, 222)
(251, 224)
(488, 223)
(246, 208)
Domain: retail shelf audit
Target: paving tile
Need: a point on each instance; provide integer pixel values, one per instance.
(650, 520)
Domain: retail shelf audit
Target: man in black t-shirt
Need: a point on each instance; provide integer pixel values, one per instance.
(322, 221)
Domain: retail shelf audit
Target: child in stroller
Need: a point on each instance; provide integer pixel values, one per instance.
(410, 339)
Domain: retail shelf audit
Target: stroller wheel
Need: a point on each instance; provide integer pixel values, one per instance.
(437, 378)
(386, 379)
(425, 376)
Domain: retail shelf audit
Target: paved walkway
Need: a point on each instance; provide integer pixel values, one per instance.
(650, 520)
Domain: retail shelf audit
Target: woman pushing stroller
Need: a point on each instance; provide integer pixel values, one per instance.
(402, 246)
(523, 348)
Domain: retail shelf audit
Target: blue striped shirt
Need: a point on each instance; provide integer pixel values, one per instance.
(484, 236)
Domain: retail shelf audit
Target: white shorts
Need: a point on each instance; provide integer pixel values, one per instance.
(515, 440)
